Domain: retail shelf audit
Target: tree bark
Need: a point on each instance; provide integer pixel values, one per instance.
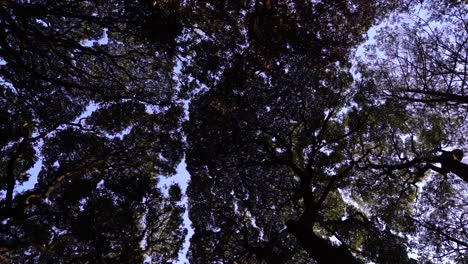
(458, 168)
(319, 248)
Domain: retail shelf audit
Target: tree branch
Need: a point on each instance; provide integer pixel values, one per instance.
(319, 248)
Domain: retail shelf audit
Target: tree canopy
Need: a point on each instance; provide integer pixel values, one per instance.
(299, 151)
(90, 96)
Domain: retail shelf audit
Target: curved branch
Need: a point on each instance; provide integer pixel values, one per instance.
(319, 248)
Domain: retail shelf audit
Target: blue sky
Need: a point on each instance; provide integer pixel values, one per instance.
(181, 178)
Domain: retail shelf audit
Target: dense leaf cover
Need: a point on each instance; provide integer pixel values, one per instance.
(298, 151)
(293, 161)
(89, 94)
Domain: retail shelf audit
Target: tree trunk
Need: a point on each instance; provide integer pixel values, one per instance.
(318, 248)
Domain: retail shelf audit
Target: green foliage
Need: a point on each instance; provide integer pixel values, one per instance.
(298, 152)
(285, 134)
(83, 91)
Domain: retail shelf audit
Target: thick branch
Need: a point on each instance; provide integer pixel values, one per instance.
(458, 168)
(400, 166)
(332, 182)
(10, 173)
(319, 248)
(44, 192)
(33, 198)
(439, 96)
